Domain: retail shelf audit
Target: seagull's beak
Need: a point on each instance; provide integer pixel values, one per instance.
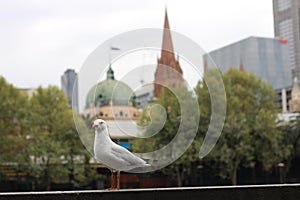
(94, 126)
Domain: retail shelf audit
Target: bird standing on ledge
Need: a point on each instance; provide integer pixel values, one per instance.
(115, 157)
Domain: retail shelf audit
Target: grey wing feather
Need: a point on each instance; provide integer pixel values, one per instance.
(127, 156)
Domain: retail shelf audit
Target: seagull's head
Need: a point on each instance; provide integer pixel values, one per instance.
(99, 124)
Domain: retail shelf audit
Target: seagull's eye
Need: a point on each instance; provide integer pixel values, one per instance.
(101, 122)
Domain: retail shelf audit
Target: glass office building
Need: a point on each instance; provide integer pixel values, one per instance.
(69, 87)
(287, 25)
(267, 58)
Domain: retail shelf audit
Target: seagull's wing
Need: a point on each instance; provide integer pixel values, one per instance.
(127, 157)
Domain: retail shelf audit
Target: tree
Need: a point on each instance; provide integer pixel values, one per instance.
(38, 134)
(291, 134)
(12, 111)
(180, 124)
(49, 118)
(55, 147)
(249, 134)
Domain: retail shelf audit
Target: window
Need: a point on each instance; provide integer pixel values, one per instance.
(286, 32)
(283, 4)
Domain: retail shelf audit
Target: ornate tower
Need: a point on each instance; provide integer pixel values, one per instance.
(168, 71)
(295, 101)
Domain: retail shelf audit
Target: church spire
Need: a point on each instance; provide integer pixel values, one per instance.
(168, 71)
(166, 24)
(167, 45)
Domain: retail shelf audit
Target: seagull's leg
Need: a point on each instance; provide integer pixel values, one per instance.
(118, 179)
(112, 180)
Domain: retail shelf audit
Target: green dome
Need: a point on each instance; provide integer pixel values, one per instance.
(110, 90)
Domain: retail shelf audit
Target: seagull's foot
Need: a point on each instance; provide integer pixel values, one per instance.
(112, 188)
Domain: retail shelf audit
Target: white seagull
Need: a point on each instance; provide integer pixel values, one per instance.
(115, 157)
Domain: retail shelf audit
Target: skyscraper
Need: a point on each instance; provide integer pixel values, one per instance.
(69, 87)
(287, 26)
(168, 71)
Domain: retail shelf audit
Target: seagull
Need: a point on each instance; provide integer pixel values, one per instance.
(114, 156)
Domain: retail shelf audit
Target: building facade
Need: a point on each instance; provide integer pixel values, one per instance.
(70, 88)
(283, 98)
(266, 58)
(145, 95)
(295, 100)
(287, 26)
(27, 91)
(114, 102)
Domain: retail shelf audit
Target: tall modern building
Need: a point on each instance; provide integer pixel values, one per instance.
(287, 26)
(264, 57)
(70, 88)
(267, 58)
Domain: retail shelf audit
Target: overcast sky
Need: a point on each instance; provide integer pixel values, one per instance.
(40, 39)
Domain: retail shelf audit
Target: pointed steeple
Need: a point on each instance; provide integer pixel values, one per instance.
(168, 70)
(110, 73)
(167, 44)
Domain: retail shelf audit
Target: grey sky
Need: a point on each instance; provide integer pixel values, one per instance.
(41, 39)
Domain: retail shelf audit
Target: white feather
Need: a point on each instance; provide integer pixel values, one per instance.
(111, 154)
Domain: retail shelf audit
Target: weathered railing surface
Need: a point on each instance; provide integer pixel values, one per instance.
(265, 192)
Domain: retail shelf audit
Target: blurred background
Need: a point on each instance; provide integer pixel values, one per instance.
(254, 44)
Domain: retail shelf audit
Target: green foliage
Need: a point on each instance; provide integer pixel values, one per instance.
(291, 139)
(12, 112)
(55, 145)
(292, 136)
(250, 134)
(178, 124)
(38, 135)
(39, 132)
